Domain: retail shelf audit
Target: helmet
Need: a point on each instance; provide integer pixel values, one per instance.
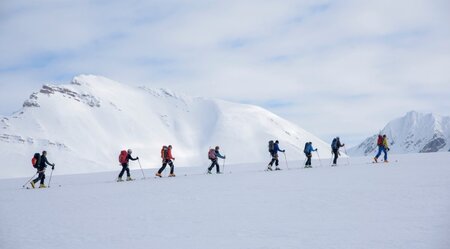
(217, 147)
(276, 142)
(130, 151)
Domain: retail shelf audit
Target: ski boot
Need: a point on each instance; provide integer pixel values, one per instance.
(129, 178)
(119, 179)
(209, 172)
(269, 167)
(375, 160)
(158, 175)
(386, 161)
(172, 175)
(277, 168)
(42, 186)
(32, 184)
(219, 173)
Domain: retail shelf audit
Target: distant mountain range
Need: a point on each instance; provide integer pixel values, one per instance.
(84, 125)
(415, 132)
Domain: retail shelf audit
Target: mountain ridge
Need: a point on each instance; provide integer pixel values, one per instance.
(84, 125)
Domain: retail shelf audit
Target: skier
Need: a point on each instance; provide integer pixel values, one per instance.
(213, 154)
(383, 146)
(274, 153)
(41, 170)
(166, 155)
(335, 145)
(124, 164)
(308, 152)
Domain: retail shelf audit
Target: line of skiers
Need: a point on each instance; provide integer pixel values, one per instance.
(167, 159)
(40, 162)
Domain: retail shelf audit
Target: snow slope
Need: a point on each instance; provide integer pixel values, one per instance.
(415, 132)
(85, 124)
(402, 205)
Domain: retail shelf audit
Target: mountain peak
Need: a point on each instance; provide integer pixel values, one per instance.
(414, 132)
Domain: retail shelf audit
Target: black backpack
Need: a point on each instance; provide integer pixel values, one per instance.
(334, 144)
(271, 146)
(306, 146)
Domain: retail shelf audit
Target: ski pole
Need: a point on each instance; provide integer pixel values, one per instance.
(348, 158)
(331, 159)
(320, 161)
(223, 170)
(285, 159)
(50, 179)
(141, 168)
(30, 179)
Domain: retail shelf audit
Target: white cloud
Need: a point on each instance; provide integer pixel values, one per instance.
(343, 67)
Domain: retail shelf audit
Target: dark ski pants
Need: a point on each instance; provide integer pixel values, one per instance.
(164, 166)
(381, 149)
(41, 177)
(274, 160)
(214, 163)
(336, 155)
(124, 168)
(308, 161)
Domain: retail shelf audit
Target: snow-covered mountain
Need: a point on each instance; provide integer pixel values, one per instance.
(415, 132)
(84, 125)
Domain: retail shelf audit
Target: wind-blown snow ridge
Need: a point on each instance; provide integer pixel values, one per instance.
(414, 132)
(86, 123)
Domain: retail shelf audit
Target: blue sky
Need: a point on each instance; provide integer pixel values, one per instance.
(332, 67)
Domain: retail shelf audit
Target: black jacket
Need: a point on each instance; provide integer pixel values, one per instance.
(43, 163)
(130, 158)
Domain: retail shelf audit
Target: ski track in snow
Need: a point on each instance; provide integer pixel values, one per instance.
(397, 205)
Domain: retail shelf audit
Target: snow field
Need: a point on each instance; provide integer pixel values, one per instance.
(397, 205)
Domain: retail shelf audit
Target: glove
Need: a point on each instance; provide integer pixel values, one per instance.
(53, 167)
(137, 158)
(224, 157)
(284, 151)
(343, 145)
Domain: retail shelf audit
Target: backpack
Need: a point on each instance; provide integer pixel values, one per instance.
(164, 152)
(212, 154)
(334, 144)
(305, 150)
(380, 140)
(123, 157)
(35, 161)
(271, 146)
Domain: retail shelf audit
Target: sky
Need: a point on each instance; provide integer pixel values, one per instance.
(335, 68)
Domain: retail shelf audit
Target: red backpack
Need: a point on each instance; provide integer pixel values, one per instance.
(380, 140)
(212, 154)
(164, 151)
(35, 160)
(123, 157)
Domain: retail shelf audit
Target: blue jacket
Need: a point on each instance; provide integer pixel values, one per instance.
(309, 149)
(276, 148)
(219, 155)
